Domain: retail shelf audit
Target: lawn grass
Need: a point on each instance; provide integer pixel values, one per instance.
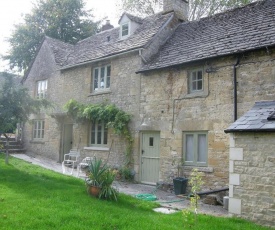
(32, 197)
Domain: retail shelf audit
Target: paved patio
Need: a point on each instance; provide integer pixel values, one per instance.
(167, 199)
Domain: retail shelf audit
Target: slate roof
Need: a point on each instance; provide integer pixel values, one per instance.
(258, 119)
(99, 46)
(61, 50)
(241, 29)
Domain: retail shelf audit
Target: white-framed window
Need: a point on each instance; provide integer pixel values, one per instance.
(99, 134)
(195, 81)
(195, 148)
(101, 78)
(125, 30)
(41, 89)
(38, 129)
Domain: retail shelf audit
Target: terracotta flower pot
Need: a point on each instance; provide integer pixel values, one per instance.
(93, 190)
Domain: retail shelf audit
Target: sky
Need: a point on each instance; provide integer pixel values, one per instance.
(12, 12)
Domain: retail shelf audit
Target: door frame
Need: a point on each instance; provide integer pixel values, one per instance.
(61, 155)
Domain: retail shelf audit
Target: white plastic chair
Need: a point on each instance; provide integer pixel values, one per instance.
(70, 160)
(83, 164)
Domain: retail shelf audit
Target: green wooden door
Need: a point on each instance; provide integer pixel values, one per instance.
(150, 148)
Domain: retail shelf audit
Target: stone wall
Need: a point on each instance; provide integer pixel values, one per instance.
(252, 177)
(166, 103)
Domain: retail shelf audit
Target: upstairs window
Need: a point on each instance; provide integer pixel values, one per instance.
(38, 129)
(195, 81)
(41, 87)
(125, 30)
(101, 78)
(99, 134)
(195, 148)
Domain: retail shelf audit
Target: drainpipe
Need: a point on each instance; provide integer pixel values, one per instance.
(235, 88)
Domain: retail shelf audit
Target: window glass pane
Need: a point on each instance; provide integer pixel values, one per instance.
(189, 147)
(105, 136)
(199, 86)
(108, 76)
(99, 132)
(202, 148)
(96, 79)
(151, 141)
(124, 30)
(93, 134)
(102, 75)
(199, 75)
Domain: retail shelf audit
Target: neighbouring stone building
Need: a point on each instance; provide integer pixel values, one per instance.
(252, 164)
(183, 83)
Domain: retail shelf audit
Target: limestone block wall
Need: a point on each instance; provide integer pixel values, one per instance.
(171, 110)
(43, 68)
(252, 177)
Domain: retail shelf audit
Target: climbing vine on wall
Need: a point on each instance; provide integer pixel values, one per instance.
(109, 114)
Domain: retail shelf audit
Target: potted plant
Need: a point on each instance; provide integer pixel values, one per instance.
(100, 179)
(96, 172)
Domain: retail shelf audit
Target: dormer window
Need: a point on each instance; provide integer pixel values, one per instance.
(125, 30)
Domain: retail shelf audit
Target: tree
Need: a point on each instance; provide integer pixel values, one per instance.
(61, 19)
(15, 105)
(197, 8)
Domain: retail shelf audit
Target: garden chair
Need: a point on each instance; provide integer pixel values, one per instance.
(70, 161)
(83, 165)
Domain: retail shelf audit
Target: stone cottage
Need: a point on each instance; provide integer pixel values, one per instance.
(183, 82)
(252, 164)
(98, 69)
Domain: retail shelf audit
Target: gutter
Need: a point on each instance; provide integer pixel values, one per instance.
(249, 131)
(235, 88)
(100, 59)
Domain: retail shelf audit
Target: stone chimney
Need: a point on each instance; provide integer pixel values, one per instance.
(180, 7)
(107, 26)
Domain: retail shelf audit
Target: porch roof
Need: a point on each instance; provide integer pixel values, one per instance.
(261, 118)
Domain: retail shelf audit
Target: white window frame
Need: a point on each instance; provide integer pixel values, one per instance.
(101, 78)
(41, 89)
(195, 83)
(122, 36)
(38, 129)
(98, 129)
(195, 147)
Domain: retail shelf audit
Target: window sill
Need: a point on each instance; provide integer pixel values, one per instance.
(196, 94)
(97, 148)
(37, 142)
(200, 169)
(100, 92)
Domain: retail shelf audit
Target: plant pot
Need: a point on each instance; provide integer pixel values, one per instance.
(93, 190)
(180, 184)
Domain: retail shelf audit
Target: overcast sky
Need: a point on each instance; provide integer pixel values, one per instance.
(12, 12)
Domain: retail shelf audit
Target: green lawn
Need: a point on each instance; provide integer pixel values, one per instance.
(35, 198)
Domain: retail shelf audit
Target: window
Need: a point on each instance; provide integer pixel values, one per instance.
(101, 78)
(195, 148)
(125, 30)
(42, 89)
(195, 81)
(99, 134)
(38, 129)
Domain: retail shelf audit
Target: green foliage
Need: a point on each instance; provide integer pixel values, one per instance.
(16, 104)
(61, 19)
(190, 214)
(96, 172)
(126, 174)
(107, 191)
(100, 175)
